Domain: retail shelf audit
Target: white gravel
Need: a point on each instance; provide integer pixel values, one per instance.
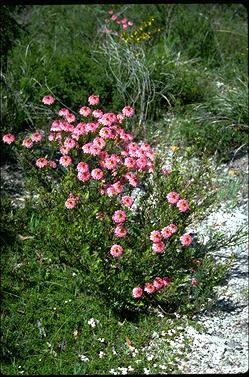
(223, 346)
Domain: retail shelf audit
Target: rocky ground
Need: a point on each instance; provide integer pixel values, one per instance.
(223, 346)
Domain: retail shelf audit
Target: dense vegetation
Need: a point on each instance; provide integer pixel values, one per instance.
(69, 305)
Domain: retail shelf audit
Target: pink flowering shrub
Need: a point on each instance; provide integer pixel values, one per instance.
(87, 168)
(116, 24)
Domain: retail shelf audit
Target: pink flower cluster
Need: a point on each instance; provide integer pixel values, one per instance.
(100, 129)
(174, 198)
(123, 22)
(157, 237)
(151, 287)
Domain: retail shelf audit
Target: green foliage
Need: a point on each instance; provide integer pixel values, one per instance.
(171, 72)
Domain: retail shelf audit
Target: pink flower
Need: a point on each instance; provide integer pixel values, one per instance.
(85, 111)
(93, 100)
(130, 23)
(92, 126)
(100, 142)
(124, 26)
(83, 167)
(27, 142)
(116, 250)
(186, 239)
(158, 247)
(83, 176)
(97, 113)
(130, 162)
(64, 150)
(65, 161)
(86, 148)
(137, 292)
(63, 112)
(69, 143)
(128, 111)
(155, 236)
(97, 174)
(173, 197)
(120, 231)
(111, 162)
(149, 288)
(71, 201)
(8, 138)
(127, 201)
(111, 191)
(183, 205)
(48, 100)
(132, 178)
(166, 281)
(110, 11)
(107, 119)
(52, 164)
(70, 118)
(41, 162)
(165, 171)
(166, 232)
(193, 282)
(173, 228)
(36, 136)
(119, 216)
(158, 283)
(105, 133)
(94, 150)
(118, 187)
(120, 118)
(141, 163)
(124, 20)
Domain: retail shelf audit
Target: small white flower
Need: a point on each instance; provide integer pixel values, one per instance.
(155, 334)
(83, 358)
(150, 357)
(101, 354)
(134, 352)
(112, 371)
(74, 274)
(93, 322)
(123, 370)
(101, 340)
(130, 369)
(146, 371)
